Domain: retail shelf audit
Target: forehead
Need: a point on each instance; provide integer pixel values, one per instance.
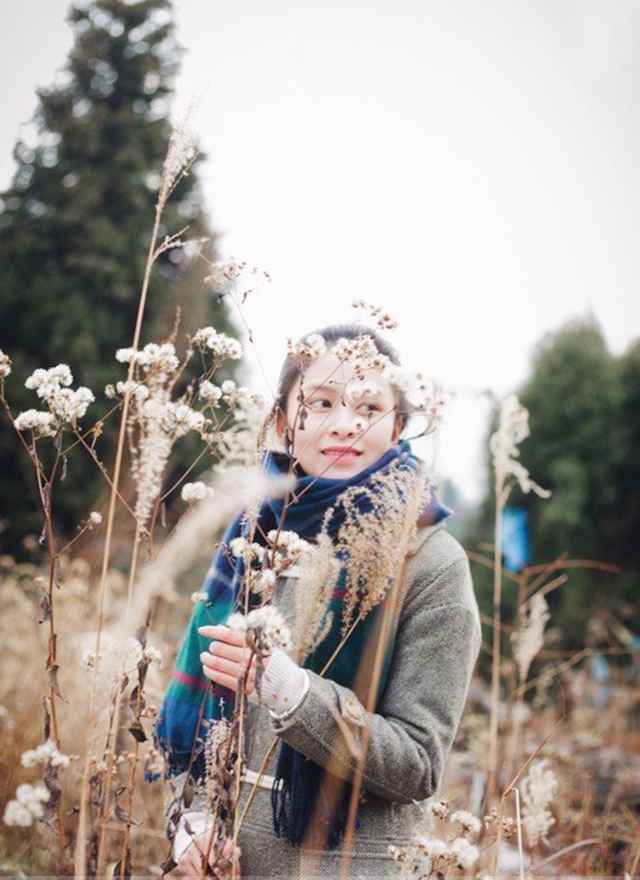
(329, 370)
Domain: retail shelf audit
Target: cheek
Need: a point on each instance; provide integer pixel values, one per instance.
(380, 435)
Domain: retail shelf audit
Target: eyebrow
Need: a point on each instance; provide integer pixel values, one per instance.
(315, 388)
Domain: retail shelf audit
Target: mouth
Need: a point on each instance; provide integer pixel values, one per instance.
(344, 453)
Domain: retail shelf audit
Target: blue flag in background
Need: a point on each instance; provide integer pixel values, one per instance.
(515, 538)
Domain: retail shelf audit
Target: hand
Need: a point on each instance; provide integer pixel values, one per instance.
(190, 862)
(227, 658)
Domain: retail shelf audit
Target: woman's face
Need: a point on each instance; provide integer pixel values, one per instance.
(342, 432)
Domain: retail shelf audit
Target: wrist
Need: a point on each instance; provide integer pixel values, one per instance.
(284, 684)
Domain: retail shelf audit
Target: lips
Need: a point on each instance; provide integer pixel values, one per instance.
(342, 451)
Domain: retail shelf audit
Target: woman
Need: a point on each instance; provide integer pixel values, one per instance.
(340, 416)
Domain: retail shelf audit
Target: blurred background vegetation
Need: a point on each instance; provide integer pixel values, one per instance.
(584, 418)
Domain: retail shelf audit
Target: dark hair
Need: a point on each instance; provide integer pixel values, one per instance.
(290, 369)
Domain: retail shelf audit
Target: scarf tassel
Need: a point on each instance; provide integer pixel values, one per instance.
(298, 795)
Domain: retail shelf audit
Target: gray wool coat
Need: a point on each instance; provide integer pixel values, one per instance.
(436, 648)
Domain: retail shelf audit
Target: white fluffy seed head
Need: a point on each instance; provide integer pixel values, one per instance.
(5, 365)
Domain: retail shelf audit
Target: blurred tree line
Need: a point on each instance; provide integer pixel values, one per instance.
(584, 418)
(75, 226)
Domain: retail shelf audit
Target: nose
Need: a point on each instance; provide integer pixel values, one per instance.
(345, 423)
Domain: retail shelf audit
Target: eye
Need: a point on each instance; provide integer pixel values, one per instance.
(369, 408)
(319, 403)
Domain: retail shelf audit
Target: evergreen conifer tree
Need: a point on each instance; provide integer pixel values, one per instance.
(75, 227)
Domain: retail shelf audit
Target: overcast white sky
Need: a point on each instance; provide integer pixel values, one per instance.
(472, 167)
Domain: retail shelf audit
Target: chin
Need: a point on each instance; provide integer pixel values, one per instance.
(346, 471)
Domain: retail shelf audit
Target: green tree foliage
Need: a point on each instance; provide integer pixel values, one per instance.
(75, 227)
(584, 417)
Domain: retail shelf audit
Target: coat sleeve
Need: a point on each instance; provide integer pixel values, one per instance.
(437, 645)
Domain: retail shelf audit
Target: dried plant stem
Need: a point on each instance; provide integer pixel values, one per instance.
(133, 568)
(238, 779)
(516, 709)
(133, 760)
(80, 854)
(45, 491)
(636, 861)
(562, 852)
(388, 621)
(102, 470)
(512, 787)
(133, 766)
(241, 698)
(567, 664)
(519, 826)
(112, 732)
(492, 764)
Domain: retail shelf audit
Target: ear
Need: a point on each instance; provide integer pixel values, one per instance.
(281, 425)
(397, 428)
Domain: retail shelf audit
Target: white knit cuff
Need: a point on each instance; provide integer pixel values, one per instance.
(284, 685)
(198, 822)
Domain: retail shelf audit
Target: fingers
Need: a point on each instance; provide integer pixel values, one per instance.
(230, 652)
(227, 672)
(226, 660)
(230, 667)
(223, 634)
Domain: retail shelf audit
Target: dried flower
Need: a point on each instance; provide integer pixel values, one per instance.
(216, 767)
(268, 623)
(180, 156)
(466, 821)
(383, 319)
(46, 754)
(5, 365)
(32, 797)
(221, 345)
(538, 789)
(95, 519)
(17, 814)
(153, 357)
(210, 392)
(89, 659)
(307, 349)
(439, 808)
(152, 655)
(513, 428)
(43, 424)
(241, 547)
(432, 846)
(392, 502)
(196, 492)
(529, 639)
(155, 420)
(359, 390)
(264, 582)
(288, 543)
(65, 405)
(226, 275)
(464, 854)
(508, 826)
